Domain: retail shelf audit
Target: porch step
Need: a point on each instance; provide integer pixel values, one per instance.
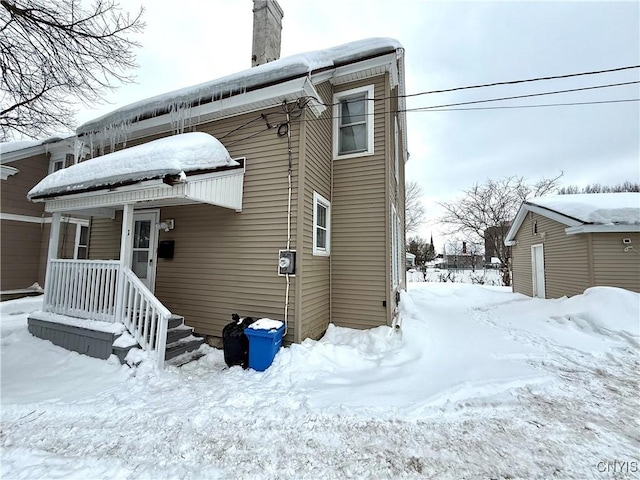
(180, 340)
(183, 345)
(176, 333)
(175, 321)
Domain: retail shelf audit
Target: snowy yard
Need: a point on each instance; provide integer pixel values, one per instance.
(480, 383)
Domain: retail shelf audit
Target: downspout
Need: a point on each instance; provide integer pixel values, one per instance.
(289, 178)
(331, 224)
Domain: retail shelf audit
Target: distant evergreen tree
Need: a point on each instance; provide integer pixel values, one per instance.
(423, 251)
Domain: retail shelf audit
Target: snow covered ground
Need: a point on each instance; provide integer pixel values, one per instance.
(479, 383)
(479, 276)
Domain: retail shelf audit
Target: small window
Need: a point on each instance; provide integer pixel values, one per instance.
(58, 165)
(82, 242)
(321, 225)
(353, 123)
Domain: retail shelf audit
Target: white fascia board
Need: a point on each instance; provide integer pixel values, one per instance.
(143, 185)
(553, 215)
(602, 229)
(528, 207)
(248, 102)
(23, 153)
(65, 145)
(6, 171)
(335, 74)
(314, 104)
(509, 240)
(154, 191)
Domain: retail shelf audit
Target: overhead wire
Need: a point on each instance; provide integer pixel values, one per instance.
(494, 84)
(444, 107)
(529, 95)
(503, 107)
(513, 82)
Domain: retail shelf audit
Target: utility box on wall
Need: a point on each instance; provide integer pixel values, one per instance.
(286, 262)
(165, 249)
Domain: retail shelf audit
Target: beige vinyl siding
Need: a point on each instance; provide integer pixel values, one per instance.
(565, 258)
(13, 191)
(314, 273)
(359, 254)
(224, 261)
(20, 244)
(396, 186)
(612, 266)
(22, 259)
(104, 238)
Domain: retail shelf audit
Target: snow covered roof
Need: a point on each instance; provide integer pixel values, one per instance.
(591, 212)
(12, 151)
(600, 208)
(278, 71)
(173, 155)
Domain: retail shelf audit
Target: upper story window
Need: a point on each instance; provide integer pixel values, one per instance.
(321, 224)
(59, 162)
(353, 122)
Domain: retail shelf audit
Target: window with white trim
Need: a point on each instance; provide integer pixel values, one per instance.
(321, 225)
(82, 242)
(59, 161)
(57, 165)
(353, 122)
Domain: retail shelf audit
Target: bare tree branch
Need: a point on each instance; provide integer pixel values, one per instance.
(54, 54)
(484, 212)
(414, 209)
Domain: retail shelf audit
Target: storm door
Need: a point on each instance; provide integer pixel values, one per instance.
(145, 242)
(537, 269)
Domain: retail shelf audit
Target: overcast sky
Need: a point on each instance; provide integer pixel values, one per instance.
(448, 44)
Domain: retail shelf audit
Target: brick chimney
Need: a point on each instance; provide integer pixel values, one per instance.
(267, 29)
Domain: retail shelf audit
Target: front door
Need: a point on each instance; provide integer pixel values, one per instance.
(537, 267)
(145, 241)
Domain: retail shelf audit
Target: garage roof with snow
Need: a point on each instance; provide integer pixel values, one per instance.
(584, 213)
(595, 208)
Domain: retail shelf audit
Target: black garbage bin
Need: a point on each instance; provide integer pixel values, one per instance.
(235, 343)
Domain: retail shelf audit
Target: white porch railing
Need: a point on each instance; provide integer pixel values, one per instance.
(82, 288)
(102, 290)
(144, 316)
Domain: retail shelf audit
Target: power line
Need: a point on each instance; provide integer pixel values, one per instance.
(482, 85)
(512, 82)
(442, 109)
(528, 95)
(523, 106)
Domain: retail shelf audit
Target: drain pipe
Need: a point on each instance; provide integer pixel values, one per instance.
(290, 180)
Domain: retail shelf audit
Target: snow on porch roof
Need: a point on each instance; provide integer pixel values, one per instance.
(263, 75)
(166, 156)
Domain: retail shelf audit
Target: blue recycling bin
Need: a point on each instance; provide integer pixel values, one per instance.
(263, 346)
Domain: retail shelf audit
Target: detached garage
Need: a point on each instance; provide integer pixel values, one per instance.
(564, 244)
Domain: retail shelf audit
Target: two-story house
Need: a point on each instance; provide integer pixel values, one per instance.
(274, 192)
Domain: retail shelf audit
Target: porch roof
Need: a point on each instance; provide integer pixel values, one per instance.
(188, 168)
